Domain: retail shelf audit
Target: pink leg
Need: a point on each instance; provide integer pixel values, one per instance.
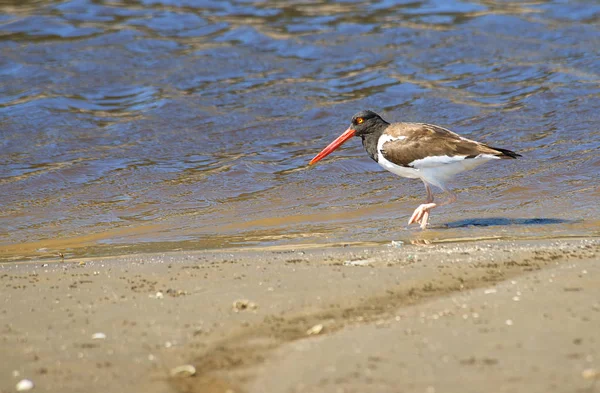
(429, 193)
(421, 213)
(451, 198)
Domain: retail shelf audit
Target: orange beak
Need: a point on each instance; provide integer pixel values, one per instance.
(349, 133)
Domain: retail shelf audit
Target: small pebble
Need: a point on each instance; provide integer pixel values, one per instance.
(244, 304)
(183, 371)
(358, 262)
(590, 373)
(98, 336)
(158, 295)
(24, 385)
(317, 329)
(490, 291)
(509, 322)
(396, 243)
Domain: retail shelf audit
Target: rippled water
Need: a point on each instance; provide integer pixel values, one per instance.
(159, 125)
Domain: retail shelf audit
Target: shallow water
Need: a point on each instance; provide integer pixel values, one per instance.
(159, 125)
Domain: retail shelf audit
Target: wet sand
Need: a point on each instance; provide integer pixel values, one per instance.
(467, 317)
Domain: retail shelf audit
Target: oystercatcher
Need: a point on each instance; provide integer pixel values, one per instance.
(417, 151)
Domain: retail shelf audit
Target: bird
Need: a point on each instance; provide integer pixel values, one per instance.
(417, 151)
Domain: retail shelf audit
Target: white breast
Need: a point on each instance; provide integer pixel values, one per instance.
(411, 173)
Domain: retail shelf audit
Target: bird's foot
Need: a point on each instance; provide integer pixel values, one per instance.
(421, 214)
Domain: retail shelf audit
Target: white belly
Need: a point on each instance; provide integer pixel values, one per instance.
(433, 170)
(403, 171)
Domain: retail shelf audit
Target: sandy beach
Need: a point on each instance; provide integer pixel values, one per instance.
(165, 227)
(464, 317)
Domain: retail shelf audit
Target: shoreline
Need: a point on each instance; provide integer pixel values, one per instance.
(33, 252)
(356, 318)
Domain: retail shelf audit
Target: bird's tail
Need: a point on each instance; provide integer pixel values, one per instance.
(506, 153)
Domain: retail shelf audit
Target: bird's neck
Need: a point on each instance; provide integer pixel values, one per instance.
(371, 139)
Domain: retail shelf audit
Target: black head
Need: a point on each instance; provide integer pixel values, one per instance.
(367, 122)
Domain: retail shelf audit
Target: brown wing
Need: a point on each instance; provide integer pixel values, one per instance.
(425, 140)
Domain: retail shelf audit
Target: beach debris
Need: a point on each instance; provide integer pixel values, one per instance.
(590, 373)
(157, 295)
(381, 323)
(199, 331)
(421, 242)
(176, 292)
(98, 336)
(396, 244)
(358, 262)
(317, 329)
(509, 322)
(244, 304)
(490, 291)
(24, 385)
(183, 371)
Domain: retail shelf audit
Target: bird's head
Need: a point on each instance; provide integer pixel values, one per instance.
(363, 123)
(366, 122)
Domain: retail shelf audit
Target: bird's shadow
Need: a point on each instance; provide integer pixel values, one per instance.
(501, 221)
